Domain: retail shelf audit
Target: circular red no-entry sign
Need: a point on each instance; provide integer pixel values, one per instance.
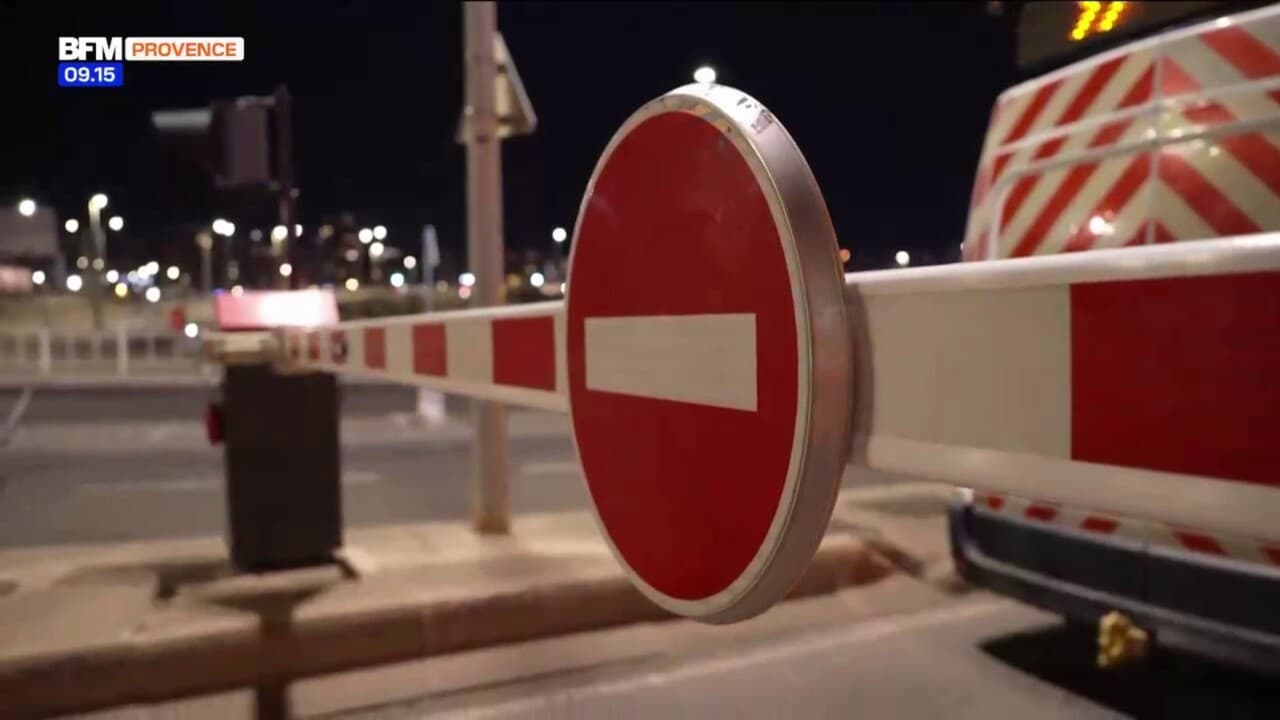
(709, 358)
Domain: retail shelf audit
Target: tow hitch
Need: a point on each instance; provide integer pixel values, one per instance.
(1120, 642)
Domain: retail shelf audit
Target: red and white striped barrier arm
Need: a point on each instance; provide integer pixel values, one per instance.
(512, 354)
(1142, 382)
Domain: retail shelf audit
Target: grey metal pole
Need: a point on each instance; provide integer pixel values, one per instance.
(204, 241)
(93, 276)
(430, 249)
(484, 250)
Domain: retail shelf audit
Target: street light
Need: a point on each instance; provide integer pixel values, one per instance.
(705, 75)
(279, 232)
(467, 279)
(536, 279)
(113, 276)
(72, 225)
(379, 232)
(286, 269)
(297, 231)
(376, 250)
(74, 283)
(153, 294)
(173, 272)
(352, 284)
(191, 330)
(559, 235)
(397, 280)
(116, 223)
(97, 202)
(121, 290)
(410, 262)
(365, 235)
(902, 257)
(26, 207)
(37, 277)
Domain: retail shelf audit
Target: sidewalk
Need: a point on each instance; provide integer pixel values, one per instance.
(96, 626)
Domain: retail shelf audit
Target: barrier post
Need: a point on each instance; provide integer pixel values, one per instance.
(281, 435)
(283, 465)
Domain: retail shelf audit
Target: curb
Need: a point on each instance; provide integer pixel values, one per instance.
(140, 669)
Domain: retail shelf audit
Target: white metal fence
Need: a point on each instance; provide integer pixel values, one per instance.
(121, 352)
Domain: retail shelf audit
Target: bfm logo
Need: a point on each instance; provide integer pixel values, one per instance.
(103, 48)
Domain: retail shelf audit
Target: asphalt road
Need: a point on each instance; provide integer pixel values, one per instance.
(117, 465)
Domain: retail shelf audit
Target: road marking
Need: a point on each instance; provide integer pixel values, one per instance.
(869, 631)
(353, 478)
(556, 467)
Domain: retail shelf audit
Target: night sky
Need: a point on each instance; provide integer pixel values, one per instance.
(888, 101)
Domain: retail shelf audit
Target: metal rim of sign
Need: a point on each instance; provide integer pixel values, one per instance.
(823, 428)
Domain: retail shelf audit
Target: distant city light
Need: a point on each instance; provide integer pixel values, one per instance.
(237, 290)
(352, 284)
(74, 283)
(153, 294)
(37, 277)
(397, 280)
(112, 276)
(191, 330)
(379, 232)
(279, 232)
(563, 287)
(297, 231)
(410, 262)
(902, 257)
(464, 292)
(121, 290)
(365, 235)
(172, 272)
(72, 225)
(351, 254)
(537, 280)
(116, 223)
(98, 264)
(467, 279)
(82, 262)
(26, 207)
(152, 267)
(705, 75)
(255, 235)
(559, 234)
(376, 250)
(286, 269)
(97, 202)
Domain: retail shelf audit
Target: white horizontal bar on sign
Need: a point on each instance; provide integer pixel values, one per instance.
(699, 359)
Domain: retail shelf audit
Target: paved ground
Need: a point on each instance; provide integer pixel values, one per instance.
(975, 657)
(898, 649)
